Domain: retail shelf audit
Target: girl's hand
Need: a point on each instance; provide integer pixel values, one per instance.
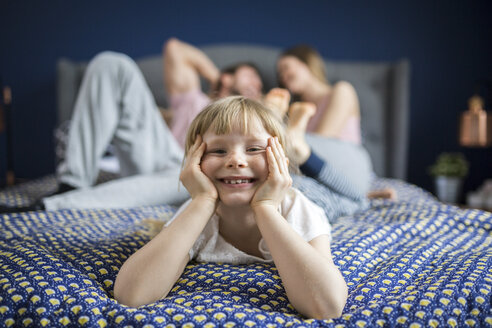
(192, 176)
(273, 190)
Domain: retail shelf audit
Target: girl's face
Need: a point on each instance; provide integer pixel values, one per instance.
(293, 73)
(236, 163)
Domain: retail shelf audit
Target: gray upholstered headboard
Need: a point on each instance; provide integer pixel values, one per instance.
(383, 90)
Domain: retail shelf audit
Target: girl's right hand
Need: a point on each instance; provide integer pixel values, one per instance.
(192, 176)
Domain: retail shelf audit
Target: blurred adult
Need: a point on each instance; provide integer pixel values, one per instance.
(326, 112)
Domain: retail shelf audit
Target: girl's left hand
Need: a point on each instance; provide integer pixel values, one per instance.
(273, 190)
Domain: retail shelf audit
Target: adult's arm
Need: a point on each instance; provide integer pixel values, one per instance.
(183, 66)
(326, 174)
(344, 103)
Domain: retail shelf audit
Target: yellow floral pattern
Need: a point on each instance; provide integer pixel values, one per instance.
(411, 263)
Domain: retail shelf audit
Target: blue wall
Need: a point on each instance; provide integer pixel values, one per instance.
(448, 44)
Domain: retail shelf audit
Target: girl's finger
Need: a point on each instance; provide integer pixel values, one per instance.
(280, 157)
(282, 152)
(197, 144)
(272, 162)
(198, 153)
(195, 153)
(284, 160)
(194, 146)
(276, 154)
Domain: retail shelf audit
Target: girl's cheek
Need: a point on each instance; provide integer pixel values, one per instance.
(205, 166)
(208, 166)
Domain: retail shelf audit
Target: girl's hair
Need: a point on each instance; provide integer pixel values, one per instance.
(309, 56)
(236, 111)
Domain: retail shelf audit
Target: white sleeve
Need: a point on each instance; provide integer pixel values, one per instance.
(180, 209)
(305, 217)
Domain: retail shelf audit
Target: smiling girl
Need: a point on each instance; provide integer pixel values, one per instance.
(243, 209)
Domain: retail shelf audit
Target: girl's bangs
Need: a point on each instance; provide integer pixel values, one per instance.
(237, 118)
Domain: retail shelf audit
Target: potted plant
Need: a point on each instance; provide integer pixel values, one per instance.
(449, 171)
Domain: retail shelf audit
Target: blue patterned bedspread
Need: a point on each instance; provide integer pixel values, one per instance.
(415, 262)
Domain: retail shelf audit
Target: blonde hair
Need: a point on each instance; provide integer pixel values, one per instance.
(309, 56)
(225, 114)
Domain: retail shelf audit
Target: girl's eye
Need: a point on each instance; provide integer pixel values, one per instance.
(217, 151)
(255, 149)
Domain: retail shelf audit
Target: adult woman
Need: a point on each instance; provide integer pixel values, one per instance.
(336, 113)
(301, 71)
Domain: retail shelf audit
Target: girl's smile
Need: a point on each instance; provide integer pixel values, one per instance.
(237, 182)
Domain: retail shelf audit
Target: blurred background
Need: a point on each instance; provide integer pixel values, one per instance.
(448, 44)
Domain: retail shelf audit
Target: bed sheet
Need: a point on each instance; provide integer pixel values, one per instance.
(26, 193)
(415, 262)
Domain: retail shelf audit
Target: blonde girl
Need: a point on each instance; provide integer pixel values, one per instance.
(243, 209)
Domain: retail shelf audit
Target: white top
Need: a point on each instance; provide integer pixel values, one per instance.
(305, 217)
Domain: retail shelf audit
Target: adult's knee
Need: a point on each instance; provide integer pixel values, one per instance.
(111, 62)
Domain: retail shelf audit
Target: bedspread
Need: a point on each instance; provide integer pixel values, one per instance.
(415, 262)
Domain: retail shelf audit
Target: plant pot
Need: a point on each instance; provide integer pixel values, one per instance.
(448, 189)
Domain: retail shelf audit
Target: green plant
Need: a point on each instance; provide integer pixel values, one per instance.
(450, 165)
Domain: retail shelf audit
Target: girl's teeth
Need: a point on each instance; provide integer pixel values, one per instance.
(236, 181)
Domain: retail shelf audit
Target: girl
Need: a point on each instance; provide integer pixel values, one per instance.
(242, 210)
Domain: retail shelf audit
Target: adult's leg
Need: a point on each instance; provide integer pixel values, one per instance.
(114, 104)
(139, 190)
(349, 159)
(277, 99)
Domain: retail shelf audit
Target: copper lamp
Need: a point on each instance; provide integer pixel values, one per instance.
(476, 125)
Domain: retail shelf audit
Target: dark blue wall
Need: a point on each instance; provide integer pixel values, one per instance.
(448, 44)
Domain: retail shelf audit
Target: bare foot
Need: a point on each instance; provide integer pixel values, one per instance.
(154, 226)
(278, 100)
(386, 193)
(299, 115)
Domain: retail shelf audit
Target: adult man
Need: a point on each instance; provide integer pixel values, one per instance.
(183, 66)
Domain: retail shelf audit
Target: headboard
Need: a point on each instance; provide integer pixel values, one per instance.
(383, 89)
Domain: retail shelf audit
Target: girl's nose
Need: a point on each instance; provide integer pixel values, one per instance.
(236, 160)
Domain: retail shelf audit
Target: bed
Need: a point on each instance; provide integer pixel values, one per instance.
(412, 262)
